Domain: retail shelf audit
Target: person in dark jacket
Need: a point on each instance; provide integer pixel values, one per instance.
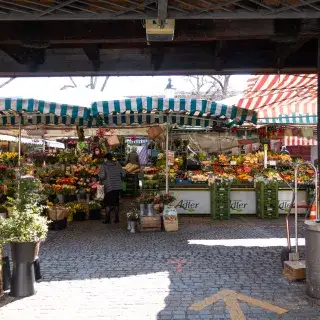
(133, 157)
(110, 176)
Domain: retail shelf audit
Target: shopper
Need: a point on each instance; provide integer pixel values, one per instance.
(110, 176)
(133, 157)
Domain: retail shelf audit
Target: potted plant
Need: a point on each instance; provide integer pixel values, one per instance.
(24, 229)
(94, 210)
(133, 217)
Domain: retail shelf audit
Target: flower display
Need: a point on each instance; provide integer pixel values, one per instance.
(66, 181)
(68, 190)
(9, 158)
(84, 185)
(57, 188)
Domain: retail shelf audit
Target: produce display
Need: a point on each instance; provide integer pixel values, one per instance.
(131, 168)
(241, 169)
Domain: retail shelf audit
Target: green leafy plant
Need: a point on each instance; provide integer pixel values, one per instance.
(25, 223)
(94, 205)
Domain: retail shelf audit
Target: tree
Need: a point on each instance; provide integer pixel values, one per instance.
(93, 82)
(2, 85)
(213, 87)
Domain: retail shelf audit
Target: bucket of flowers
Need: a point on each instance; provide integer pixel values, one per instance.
(78, 211)
(133, 218)
(94, 210)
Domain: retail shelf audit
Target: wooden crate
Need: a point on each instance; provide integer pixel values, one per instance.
(152, 223)
(295, 270)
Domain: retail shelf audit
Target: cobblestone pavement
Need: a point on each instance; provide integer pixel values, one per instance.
(96, 271)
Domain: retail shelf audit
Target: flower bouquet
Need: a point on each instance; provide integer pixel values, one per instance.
(68, 190)
(167, 198)
(3, 170)
(77, 210)
(48, 189)
(66, 181)
(133, 217)
(9, 158)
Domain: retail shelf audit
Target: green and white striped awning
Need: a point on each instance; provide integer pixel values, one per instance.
(12, 106)
(45, 119)
(291, 119)
(153, 110)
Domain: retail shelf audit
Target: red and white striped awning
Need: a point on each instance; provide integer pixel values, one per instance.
(281, 95)
(299, 141)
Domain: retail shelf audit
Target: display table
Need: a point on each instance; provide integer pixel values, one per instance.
(194, 198)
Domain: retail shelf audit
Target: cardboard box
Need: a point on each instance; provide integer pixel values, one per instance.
(295, 270)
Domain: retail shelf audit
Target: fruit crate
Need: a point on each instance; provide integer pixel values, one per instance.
(267, 200)
(220, 201)
(152, 223)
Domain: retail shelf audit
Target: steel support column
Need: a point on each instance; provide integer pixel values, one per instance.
(318, 113)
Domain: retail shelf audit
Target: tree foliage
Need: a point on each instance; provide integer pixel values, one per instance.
(213, 87)
(93, 83)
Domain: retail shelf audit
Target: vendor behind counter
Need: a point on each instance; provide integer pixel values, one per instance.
(133, 157)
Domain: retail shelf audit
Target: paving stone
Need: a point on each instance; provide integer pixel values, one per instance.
(96, 271)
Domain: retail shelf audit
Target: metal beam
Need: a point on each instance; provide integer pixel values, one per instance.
(244, 57)
(239, 14)
(162, 9)
(134, 8)
(93, 54)
(56, 7)
(285, 50)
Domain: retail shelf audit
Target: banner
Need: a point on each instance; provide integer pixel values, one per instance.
(192, 201)
(243, 202)
(285, 198)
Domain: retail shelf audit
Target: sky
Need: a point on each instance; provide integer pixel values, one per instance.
(49, 89)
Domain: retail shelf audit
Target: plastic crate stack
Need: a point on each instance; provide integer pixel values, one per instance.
(132, 185)
(221, 201)
(267, 200)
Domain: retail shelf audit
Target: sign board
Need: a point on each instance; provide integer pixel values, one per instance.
(285, 198)
(170, 158)
(243, 202)
(192, 201)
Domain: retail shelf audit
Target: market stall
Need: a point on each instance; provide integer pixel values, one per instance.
(190, 197)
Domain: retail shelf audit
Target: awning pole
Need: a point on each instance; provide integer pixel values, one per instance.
(19, 143)
(167, 154)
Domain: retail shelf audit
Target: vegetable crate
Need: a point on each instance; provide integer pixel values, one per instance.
(221, 201)
(267, 200)
(152, 223)
(132, 185)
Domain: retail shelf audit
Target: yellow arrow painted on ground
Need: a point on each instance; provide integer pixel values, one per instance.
(231, 299)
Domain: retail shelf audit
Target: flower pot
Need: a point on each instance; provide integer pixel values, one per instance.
(129, 225)
(87, 197)
(23, 278)
(150, 209)
(142, 209)
(60, 198)
(133, 226)
(78, 196)
(6, 273)
(79, 216)
(94, 214)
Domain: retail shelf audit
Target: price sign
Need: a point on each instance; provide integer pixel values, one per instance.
(170, 158)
